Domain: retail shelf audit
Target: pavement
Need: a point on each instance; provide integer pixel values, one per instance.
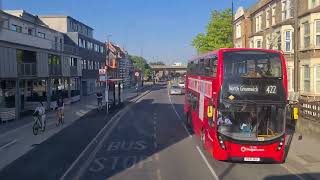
(145, 139)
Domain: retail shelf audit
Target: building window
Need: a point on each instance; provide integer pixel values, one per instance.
(89, 45)
(16, 28)
(306, 35)
(267, 18)
(85, 64)
(258, 23)
(30, 31)
(306, 73)
(101, 49)
(41, 35)
(273, 14)
(73, 61)
(317, 75)
(290, 78)
(288, 38)
(313, 3)
(317, 34)
(287, 9)
(251, 44)
(259, 44)
(96, 48)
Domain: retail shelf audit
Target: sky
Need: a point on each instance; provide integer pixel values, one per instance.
(159, 30)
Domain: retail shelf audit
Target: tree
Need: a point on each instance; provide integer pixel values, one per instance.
(141, 64)
(219, 32)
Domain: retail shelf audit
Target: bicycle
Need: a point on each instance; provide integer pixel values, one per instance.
(37, 125)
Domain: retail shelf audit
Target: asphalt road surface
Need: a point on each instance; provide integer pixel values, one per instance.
(145, 140)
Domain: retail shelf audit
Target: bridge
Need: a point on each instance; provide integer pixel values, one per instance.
(168, 70)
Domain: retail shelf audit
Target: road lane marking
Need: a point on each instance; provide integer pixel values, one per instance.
(158, 174)
(207, 163)
(9, 144)
(184, 126)
(94, 140)
(296, 173)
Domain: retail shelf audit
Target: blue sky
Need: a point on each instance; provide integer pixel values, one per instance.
(157, 29)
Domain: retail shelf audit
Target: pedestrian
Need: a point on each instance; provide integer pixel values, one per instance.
(99, 100)
(59, 108)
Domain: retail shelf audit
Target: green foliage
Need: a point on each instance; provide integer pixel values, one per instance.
(219, 32)
(157, 63)
(141, 64)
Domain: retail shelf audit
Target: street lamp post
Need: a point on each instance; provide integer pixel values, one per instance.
(106, 74)
(232, 23)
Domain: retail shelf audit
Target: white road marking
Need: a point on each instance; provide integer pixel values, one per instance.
(296, 173)
(184, 126)
(158, 174)
(8, 144)
(94, 140)
(207, 163)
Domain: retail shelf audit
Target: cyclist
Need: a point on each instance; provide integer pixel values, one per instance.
(99, 99)
(60, 108)
(40, 112)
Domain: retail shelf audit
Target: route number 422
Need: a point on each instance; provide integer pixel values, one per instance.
(271, 89)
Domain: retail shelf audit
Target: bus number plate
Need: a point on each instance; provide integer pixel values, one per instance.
(254, 159)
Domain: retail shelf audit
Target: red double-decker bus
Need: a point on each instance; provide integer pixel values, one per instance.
(235, 101)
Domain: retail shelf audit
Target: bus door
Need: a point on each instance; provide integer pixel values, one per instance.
(211, 114)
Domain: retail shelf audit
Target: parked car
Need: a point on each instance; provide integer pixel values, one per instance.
(176, 90)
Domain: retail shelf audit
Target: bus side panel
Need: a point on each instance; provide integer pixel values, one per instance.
(195, 122)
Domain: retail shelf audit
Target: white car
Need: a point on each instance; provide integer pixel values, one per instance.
(182, 84)
(176, 90)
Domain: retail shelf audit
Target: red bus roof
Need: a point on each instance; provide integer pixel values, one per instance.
(210, 53)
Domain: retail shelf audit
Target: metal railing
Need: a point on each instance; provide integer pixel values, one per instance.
(27, 69)
(310, 109)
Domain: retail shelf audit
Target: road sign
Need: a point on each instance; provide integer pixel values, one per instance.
(137, 74)
(102, 71)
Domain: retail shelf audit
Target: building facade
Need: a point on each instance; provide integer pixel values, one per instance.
(34, 65)
(91, 51)
(269, 24)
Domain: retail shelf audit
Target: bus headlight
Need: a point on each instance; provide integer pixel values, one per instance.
(281, 143)
(221, 143)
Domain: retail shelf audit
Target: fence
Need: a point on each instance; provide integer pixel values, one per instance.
(310, 109)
